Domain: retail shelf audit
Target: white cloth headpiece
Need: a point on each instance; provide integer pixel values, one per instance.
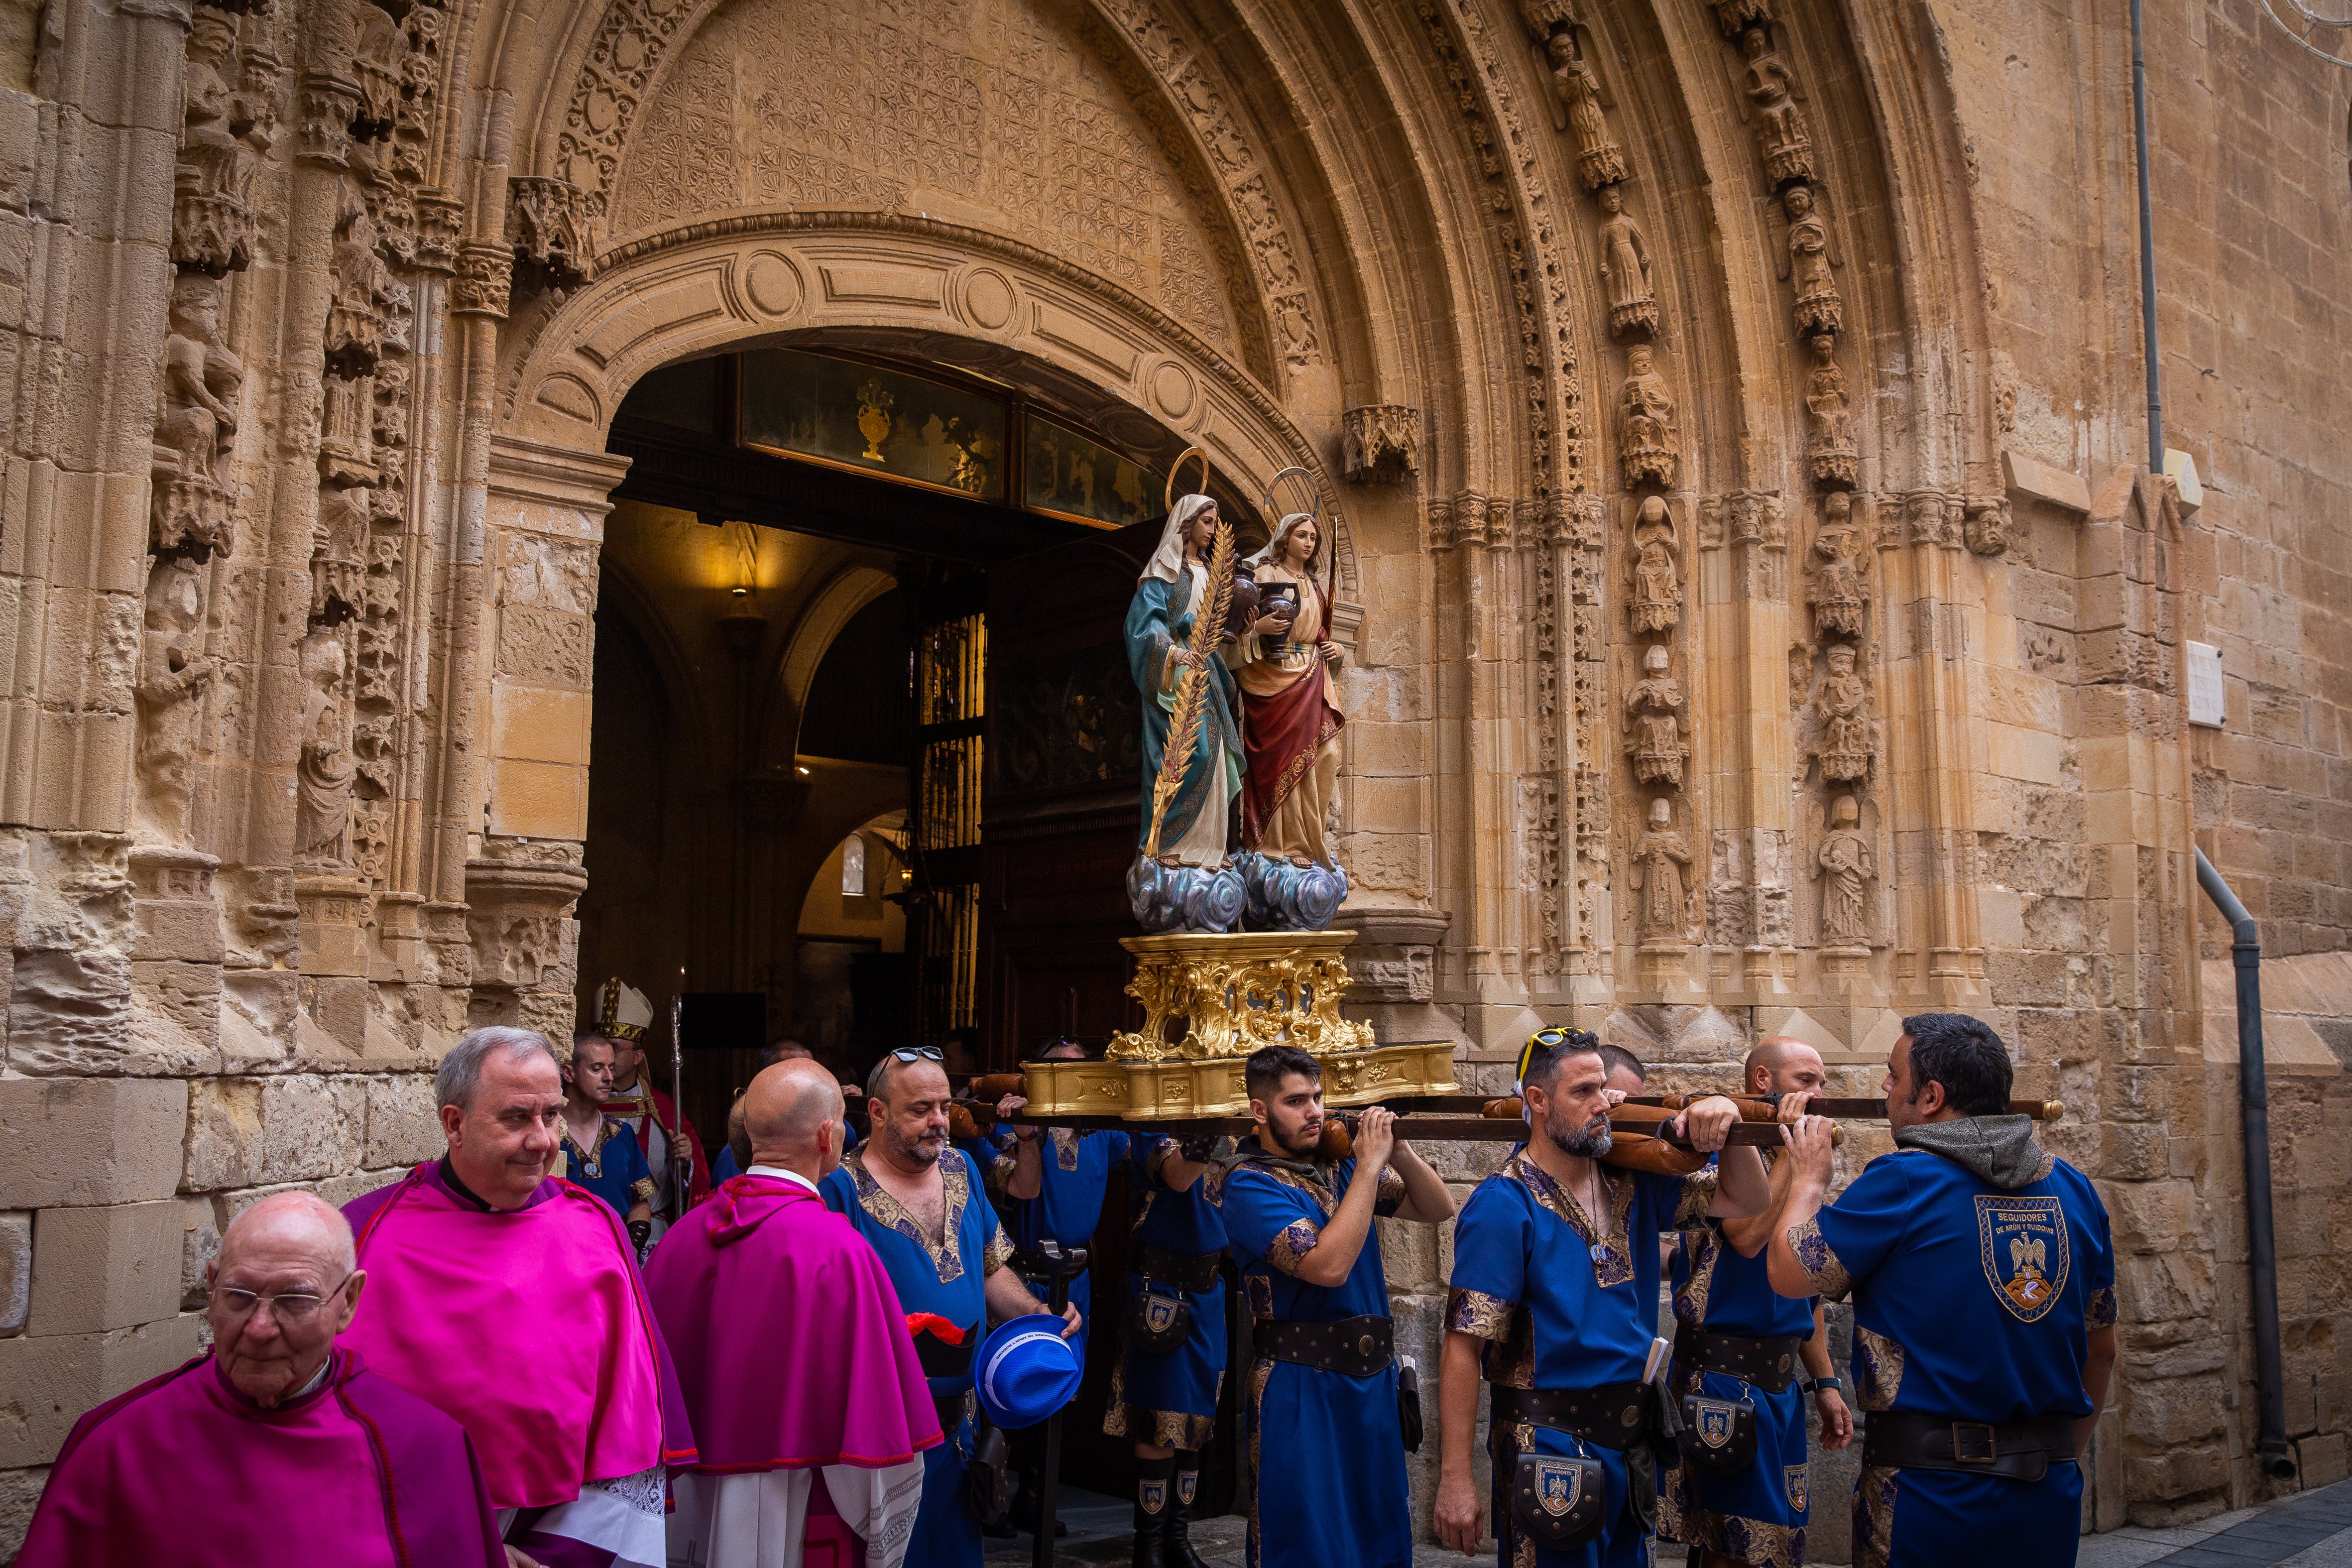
(1167, 562)
(1272, 551)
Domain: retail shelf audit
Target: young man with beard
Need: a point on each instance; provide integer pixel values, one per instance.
(920, 1203)
(1326, 1474)
(1555, 1289)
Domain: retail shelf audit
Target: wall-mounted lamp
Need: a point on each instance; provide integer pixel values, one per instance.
(802, 769)
(743, 546)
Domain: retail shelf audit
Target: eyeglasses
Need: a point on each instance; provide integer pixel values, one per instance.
(920, 1054)
(289, 1307)
(1552, 1040)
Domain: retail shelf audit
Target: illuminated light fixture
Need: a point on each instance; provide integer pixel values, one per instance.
(744, 547)
(803, 771)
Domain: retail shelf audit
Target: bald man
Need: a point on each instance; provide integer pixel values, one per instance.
(1736, 1342)
(276, 1445)
(794, 1356)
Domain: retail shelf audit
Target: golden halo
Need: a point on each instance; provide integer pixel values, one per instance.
(1168, 497)
(1273, 507)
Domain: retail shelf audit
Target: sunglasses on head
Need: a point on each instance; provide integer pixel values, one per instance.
(920, 1054)
(1552, 1040)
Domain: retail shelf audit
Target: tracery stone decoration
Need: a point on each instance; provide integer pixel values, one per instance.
(1382, 443)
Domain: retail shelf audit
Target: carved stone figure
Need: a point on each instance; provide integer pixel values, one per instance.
(1843, 709)
(1625, 268)
(195, 426)
(1657, 599)
(1780, 134)
(1830, 442)
(1844, 867)
(362, 285)
(380, 63)
(338, 557)
(1647, 447)
(1931, 517)
(1660, 857)
(1818, 310)
(324, 773)
(211, 220)
(1578, 102)
(1838, 593)
(1653, 722)
(172, 675)
(1987, 529)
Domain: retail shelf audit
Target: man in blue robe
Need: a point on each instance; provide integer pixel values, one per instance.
(1737, 1340)
(1555, 1293)
(1984, 1310)
(1326, 1474)
(921, 1205)
(600, 1152)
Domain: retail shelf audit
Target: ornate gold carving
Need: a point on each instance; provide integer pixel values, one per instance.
(1237, 990)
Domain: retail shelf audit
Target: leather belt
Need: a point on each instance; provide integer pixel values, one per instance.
(1185, 1270)
(1614, 1415)
(1357, 1347)
(1770, 1363)
(2017, 1451)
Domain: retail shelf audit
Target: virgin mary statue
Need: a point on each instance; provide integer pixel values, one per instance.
(1175, 584)
(1290, 704)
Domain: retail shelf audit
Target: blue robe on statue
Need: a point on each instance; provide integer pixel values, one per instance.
(1757, 1515)
(1560, 1309)
(1159, 621)
(1170, 1400)
(1075, 1173)
(1327, 1482)
(1972, 1301)
(947, 1282)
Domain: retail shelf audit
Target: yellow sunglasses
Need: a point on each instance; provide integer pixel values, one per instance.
(1552, 1040)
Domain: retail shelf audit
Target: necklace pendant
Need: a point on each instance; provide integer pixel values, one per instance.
(1600, 1252)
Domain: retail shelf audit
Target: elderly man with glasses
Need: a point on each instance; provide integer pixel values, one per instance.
(276, 1445)
(921, 1202)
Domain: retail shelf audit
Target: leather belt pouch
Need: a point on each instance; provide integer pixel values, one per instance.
(1719, 1435)
(1159, 1320)
(2021, 1451)
(1614, 1415)
(989, 1476)
(1770, 1363)
(1184, 1270)
(1557, 1501)
(1357, 1347)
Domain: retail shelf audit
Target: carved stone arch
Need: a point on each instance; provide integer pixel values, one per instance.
(950, 292)
(834, 605)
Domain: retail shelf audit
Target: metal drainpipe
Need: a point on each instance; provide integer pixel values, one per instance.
(2254, 1127)
(2147, 249)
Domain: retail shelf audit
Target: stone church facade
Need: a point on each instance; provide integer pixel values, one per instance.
(1759, 618)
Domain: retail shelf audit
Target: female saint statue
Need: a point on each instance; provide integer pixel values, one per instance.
(1174, 585)
(1661, 858)
(1290, 703)
(1625, 266)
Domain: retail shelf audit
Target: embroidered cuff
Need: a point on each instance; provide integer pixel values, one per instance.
(2101, 1312)
(1819, 1264)
(1476, 1313)
(998, 1253)
(1698, 1196)
(1291, 1245)
(1390, 1196)
(643, 1187)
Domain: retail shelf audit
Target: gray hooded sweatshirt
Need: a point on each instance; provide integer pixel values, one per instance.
(1996, 1149)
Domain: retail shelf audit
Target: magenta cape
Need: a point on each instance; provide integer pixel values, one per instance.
(790, 1341)
(187, 1470)
(530, 1327)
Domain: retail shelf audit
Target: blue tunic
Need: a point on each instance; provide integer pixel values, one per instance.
(1971, 1302)
(615, 1170)
(1561, 1310)
(947, 1280)
(1170, 1400)
(1326, 1456)
(723, 1165)
(1759, 1515)
(1160, 617)
(1074, 1173)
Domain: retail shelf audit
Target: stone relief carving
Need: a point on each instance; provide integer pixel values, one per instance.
(1579, 105)
(212, 214)
(364, 288)
(1818, 310)
(1648, 450)
(1661, 857)
(1781, 138)
(1736, 17)
(1987, 529)
(191, 506)
(1932, 518)
(1655, 604)
(172, 676)
(1382, 443)
(483, 281)
(1839, 591)
(323, 771)
(548, 222)
(1843, 865)
(1847, 735)
(1830, 442)
(1653, 720)
(1625, 268)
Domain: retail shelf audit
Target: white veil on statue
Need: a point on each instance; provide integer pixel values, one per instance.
(1272, 551)
(1167, 562)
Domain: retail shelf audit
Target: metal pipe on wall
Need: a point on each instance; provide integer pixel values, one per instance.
(2146, 249)
(2254, 1127)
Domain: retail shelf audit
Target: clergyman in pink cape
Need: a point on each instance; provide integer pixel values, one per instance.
(512, 1301)
(794, 1356)
(276, 1446)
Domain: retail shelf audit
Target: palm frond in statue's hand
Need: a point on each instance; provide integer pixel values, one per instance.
(1192, 686)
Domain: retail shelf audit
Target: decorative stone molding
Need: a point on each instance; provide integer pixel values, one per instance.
(1394, 958)
(515, 917)
(548, 222)
(1382, 443)
(480, 287)
(1987, 529)
(327, 105)
(440, 218)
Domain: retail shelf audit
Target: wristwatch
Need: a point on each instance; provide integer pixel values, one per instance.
(1815, 1385)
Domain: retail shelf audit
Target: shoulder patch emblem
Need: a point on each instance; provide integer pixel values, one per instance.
(2021, 1241)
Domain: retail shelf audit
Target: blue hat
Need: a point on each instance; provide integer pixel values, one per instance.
(1026, 1371)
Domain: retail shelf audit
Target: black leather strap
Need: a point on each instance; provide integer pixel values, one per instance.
(1913, 1440)
(1184, 1270)
(1770, 1363)
(1358, 1347)
(1614, 1416)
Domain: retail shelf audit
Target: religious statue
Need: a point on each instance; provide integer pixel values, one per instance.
(1625, 266)
(1818, 310)
(196, 424)
(1660, 857)
(338, 557)
(1830, 442)
(212, 222)
(1647, 448)
(1843, 707)
(172, 675)
(362, 287)
(1839, 595)
(1780, 135)
(1577, 104)
(1653, 711)
(1290, 703)
(1657, 601)
(1844, 868)
(324, 770)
